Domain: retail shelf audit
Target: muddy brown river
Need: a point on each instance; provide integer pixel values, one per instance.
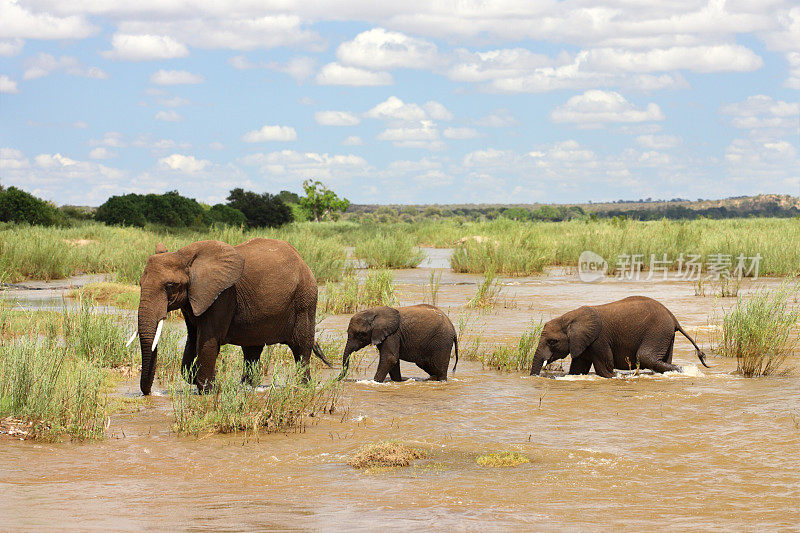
(701, 450)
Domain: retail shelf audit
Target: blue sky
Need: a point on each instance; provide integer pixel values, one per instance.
(411, 102)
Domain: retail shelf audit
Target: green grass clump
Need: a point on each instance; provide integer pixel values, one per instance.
(502, 459)
(384, 454)
(120, 295)
(390, 250)
(45, 384)
(759, 331)
(430, 290)
(349, 296)
(488, 292)
(515, 358)
(517, 254)
(232, 407)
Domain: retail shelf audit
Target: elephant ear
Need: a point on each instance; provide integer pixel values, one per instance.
(386, 322)
(213, 267)
(583, 330)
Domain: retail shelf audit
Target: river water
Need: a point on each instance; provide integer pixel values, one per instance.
(701, 450)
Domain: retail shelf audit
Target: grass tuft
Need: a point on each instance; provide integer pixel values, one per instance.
(349, 296)
(488, 292)
(109, 293)
(389, 250)
(384, 454)
(502, 459)
(515, 358)
(758, 332)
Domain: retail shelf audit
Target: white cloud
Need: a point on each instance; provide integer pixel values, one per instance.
(422, 134)
(460, 133)
(395, 109)
(595, 107)
(289, 166)
(300, 68)
(168, 116)
(500, 118)
(497, 64)
(379, 49)
(53, 161)
(10, 47)
(793, 81)
(336, 74)
(175, 77)
(113, 139)
(437, 111)
(42, 65)
(7, 85)
(658, 142)
(716, 58)
(12, 159)
(144, 47)
(271, 133)
(763, 112)
(22, 23)
(353, 140)
(101, 152)
(187, 164)
(172, 101)
(336, 118)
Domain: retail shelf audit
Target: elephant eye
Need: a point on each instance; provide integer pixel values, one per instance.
(552, 341)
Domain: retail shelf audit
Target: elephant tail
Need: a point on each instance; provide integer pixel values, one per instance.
(700, 354)
(455, 341)
(318, 353)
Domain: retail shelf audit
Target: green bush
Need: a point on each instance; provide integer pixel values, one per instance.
(260, 210)
(225, 214)
(17, 205)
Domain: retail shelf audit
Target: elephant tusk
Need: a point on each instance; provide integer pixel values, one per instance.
(158, 334)
(135, 333)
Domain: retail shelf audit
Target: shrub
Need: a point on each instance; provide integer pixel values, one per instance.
(758, 332)
(516, 358)
(488, 292)
(225, 214)
(17, 205)
(385, 454)
(260, 210)
(502, 459)
(349, 296)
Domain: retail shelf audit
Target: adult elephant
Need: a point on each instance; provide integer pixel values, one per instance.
(257, 293)
(635, 332)
(420, 334)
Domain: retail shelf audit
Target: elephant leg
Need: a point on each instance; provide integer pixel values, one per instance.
(252, 355)
(189, 361)
(207, 353)
(394, 372)
(668, 358)
(655, 359)
(387, 361)
(580, 365)
(603, 360)
(302, 343)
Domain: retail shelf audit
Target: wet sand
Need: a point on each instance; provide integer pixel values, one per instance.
(703, 450)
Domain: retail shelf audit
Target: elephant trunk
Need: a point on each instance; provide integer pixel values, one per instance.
(539, 358)
(151, 312)
(348, 349)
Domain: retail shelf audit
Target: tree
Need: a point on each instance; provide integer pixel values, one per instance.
(124, 210)
(321, 201)
(289, 197)
(17, 205)
(225, 214)
(260, 210)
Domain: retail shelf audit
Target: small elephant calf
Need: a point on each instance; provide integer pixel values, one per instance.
(420, 334)
(635, 332)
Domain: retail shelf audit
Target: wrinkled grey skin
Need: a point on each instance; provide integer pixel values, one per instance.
(257, 293)
(635, 332)
(420, 334)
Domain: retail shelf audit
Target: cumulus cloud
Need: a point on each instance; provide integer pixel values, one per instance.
(379, 49)
(460, 133)
(10, 47)
(22, 23)
(168, 116)
(499, 118)
(763, 112)
(42, 65)
(186, 164)
(289, 166)
(715, 58)
(353, 140)
(336, 74)
(300, 68)
(175, 77)
(658, 142)
(145, 47)
(793, 80)
(7, 85)
(270, 133)
(336, 118)
(394, 108)
(595, 107)
(101, 152)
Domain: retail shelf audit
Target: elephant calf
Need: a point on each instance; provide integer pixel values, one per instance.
(633, 332)
(420, 334)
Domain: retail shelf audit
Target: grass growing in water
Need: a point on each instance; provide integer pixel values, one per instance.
(384, 454)
(758, 332)
(515, 358)
(390, 250)
(349, 296)
(232, 407)
(502, 459)
(430, 291)
(488, 292)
